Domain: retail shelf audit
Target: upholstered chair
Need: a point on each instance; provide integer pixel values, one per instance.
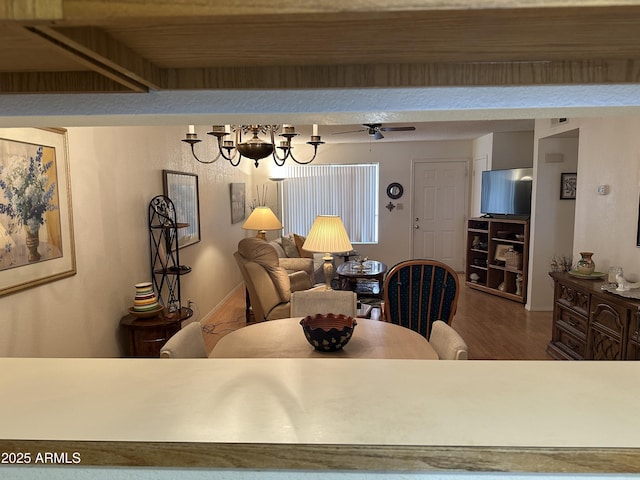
(419, 292)
(268, 284)
(447, 343)
(186, 343)
(310, 302)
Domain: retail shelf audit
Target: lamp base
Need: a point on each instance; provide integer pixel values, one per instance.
(328, 270)
(262, 234)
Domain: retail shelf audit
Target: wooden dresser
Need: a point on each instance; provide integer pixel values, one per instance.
(592, 324)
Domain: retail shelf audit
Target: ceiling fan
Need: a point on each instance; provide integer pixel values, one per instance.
(375, 130)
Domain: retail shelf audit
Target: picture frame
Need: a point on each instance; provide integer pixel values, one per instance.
(568, 183)
(501, 252)
(638, 230)
(36, 219)
(182, 190)
(238, 202)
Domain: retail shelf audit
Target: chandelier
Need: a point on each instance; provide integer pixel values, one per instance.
(254, 148)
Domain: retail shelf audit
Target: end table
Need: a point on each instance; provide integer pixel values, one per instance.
(365, 279)
(144, 337)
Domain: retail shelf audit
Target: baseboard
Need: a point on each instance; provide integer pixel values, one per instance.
(205, 318)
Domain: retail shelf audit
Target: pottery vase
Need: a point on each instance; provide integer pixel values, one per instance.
(585, 265)
(33, 242)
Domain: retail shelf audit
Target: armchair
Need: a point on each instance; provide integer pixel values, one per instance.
(268, 284)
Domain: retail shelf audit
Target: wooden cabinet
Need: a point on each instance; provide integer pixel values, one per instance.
(144, 337)
(591, 324)
(497, 256)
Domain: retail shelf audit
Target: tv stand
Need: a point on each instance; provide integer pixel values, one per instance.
(498, 256)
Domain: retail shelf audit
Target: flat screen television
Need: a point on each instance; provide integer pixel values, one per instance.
(506, 192)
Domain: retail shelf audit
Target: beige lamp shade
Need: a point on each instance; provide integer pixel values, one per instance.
(262, 219)
(327, 235)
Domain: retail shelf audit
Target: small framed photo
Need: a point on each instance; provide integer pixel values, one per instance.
(568, 182)
(501, 252)
(237, 202)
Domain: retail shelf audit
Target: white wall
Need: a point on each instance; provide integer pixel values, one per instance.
(114, 174)
(482, 158)
(512, 150)
(607, 225)
(396, 165)
(552, 219)
(609, 154)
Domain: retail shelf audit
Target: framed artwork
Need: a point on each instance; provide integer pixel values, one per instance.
(182, 190)
(501, 252)
(237, 202)
(568, 182)
(638, 234)
(36, 221)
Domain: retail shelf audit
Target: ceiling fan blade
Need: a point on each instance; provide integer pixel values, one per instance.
(398, 129)
(350, 131)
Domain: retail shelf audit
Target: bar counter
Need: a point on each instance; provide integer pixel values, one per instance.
(326, 414)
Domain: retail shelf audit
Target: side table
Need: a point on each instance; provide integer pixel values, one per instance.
(144, 337)
(365, 279)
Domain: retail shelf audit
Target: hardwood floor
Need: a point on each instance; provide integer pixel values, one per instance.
(494, 328)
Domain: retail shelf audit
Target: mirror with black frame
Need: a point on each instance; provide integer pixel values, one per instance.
(395, 190)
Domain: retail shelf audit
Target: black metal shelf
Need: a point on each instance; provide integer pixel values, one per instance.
(166, 269)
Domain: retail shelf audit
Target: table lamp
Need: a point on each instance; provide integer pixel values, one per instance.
(327, 235)
(262, 219)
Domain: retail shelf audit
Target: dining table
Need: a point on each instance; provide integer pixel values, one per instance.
(284, 338)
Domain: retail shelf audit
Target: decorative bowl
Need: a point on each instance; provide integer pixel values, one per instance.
(328, 332)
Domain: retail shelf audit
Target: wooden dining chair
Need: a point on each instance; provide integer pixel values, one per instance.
(419, 292)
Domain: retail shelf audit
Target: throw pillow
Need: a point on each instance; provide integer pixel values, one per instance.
(289, 246)
(302, 253)
(278, 246)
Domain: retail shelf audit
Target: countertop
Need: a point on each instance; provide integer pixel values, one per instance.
(527, 406)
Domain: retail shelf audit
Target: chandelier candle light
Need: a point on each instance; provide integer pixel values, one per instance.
(327, 235)
(255, 148)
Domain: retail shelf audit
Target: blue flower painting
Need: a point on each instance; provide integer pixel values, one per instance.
(29, 193)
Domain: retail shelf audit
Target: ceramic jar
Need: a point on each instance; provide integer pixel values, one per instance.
(585, 265)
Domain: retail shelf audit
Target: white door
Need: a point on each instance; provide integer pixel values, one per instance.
(439, 206)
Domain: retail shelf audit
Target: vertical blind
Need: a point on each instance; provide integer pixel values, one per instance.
(350, 191)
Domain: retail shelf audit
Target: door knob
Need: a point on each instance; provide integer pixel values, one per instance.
(416, 227)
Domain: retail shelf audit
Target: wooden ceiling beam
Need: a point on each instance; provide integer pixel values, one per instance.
(59, 82)
(99, 9)
(21, 10)
(407, 75)
(99, 52)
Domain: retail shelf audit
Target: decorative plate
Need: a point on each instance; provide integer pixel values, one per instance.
(592, 276)
(146, 313)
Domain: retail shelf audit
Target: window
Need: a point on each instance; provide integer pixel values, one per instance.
(350, 191)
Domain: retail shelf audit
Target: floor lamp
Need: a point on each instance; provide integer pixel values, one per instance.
(327, 235)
